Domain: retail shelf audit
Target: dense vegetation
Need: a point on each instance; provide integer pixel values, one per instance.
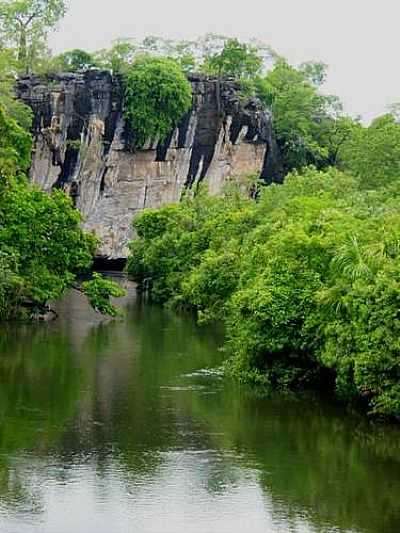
(157, 95)
(24, 27)
(42, 247)
(307, 279)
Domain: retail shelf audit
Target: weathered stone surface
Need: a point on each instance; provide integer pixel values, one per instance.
(82, 145)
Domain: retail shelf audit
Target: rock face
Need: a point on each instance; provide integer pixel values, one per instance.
(82, 146)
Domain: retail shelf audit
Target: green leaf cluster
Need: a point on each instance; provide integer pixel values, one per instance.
(15, 109)
(70, 61)
(310, 126)
(99, 290)
(15, 146)
(373, 153)
(24, 28)
(156, 96)
(236, 59)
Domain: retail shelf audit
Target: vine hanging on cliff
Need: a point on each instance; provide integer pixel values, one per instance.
(156, 96)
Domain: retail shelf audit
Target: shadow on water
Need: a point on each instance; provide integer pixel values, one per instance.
(119, 426)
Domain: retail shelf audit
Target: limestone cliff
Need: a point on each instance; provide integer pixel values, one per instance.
(82, 146)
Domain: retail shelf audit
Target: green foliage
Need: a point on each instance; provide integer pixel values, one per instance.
(11, 285)
(156, 96)
(43, 233)
(208, 287)
(99, 290)
(309, 126)
(373, 153)
(42, 246)
(314, 72)
(118, 57)
(71, 61)
(307, 280)
(15, 146)
(236, 59)
(206, 54)
(25, 25)
(179, 236)
(8, 102)
(74, 144)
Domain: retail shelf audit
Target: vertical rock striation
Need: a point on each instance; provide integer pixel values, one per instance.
(82, 145)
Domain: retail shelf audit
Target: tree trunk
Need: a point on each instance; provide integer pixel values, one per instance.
(22, 51)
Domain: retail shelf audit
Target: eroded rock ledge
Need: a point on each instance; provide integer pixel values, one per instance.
(82, 145)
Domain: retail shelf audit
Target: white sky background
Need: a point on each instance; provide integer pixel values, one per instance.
(358, 39)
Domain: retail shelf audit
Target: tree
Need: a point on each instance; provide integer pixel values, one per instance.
(303, 117)
(99, 290)
(156, 96)
(239, 60)
(373, 153)
(315, 72)
(25, 25)
(15, 108)
(15, 147)
(335, 133)
(118, 57)
(73, 60)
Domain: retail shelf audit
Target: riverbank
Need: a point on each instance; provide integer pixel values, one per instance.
(305, 280)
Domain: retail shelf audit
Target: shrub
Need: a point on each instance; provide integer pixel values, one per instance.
(156, 96)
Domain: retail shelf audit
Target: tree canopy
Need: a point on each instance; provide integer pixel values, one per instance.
(308, 123)
(236, 59)
(25, 25)
(73, 60)
(157, 95)
(373, 152)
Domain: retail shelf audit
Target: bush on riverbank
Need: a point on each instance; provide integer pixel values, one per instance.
(307, 280)
(42, 246)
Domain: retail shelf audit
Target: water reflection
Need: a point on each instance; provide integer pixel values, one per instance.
(116, 426)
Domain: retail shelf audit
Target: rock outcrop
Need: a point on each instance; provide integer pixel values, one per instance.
(82, 146)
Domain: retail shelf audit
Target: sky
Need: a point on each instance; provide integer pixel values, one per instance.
(358, 39)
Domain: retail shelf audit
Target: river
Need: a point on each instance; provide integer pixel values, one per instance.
(128, 426)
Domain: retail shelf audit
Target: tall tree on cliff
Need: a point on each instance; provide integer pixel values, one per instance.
(236, 59)
(25, 25)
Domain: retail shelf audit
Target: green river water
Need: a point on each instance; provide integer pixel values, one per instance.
(125, 426)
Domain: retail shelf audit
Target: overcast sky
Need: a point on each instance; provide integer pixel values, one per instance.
(358, 39)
